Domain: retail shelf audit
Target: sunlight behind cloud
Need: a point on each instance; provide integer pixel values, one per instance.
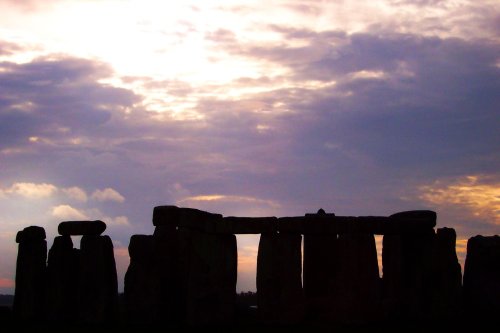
(480, 195)
(228, 198)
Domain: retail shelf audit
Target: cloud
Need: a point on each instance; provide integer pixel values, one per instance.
(7, 48)
(75, 193)
(30, 190)
(57, 101)
(478, 194)
(119, 221)
(66, 212)
(108, 194)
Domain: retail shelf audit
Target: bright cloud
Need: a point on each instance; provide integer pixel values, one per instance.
(30, 190)
(228, 198)
(108, 194)
(66, 212)
(75, 193)
(480, 195)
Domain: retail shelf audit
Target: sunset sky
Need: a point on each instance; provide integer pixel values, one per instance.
(248, 108)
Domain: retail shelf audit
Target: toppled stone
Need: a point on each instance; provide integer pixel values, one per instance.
(31, 233)
(481, 278)
(74, 228)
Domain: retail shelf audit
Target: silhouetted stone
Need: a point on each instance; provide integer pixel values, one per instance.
(80, 228)
(169, 280)
(213, 268)
(29, 299)
(141, 292)
(246, 225)
(279, 285)
(413, 221)
(355, 290)
(448, 280)
(62, 280)
(31, 233)
(185, 217)
(321, 261)
(482, 278)
(407, 261)
(98, 286)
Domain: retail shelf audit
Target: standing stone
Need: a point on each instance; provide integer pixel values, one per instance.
(29, 299)
(140, 283)
(408, 274)
(62, 280)
(169, 278)
(212, 274)
(279, 286)
(98, 287)
(321, 261)
(448, 280)
(482, 278)
(355, 289)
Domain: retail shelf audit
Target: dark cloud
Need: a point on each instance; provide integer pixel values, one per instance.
(54, 98)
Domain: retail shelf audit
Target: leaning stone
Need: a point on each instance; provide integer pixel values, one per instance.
(279, 286)
(98, 287)
(31, 233)
(79, 228)
(481, 279)
(29, 298)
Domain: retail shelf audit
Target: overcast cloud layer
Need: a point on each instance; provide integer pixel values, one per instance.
(256, 116)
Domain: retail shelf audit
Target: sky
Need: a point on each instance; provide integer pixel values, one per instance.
(247, 108)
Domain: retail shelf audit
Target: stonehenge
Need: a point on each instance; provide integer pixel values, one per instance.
(73, 285)
(318, 268)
